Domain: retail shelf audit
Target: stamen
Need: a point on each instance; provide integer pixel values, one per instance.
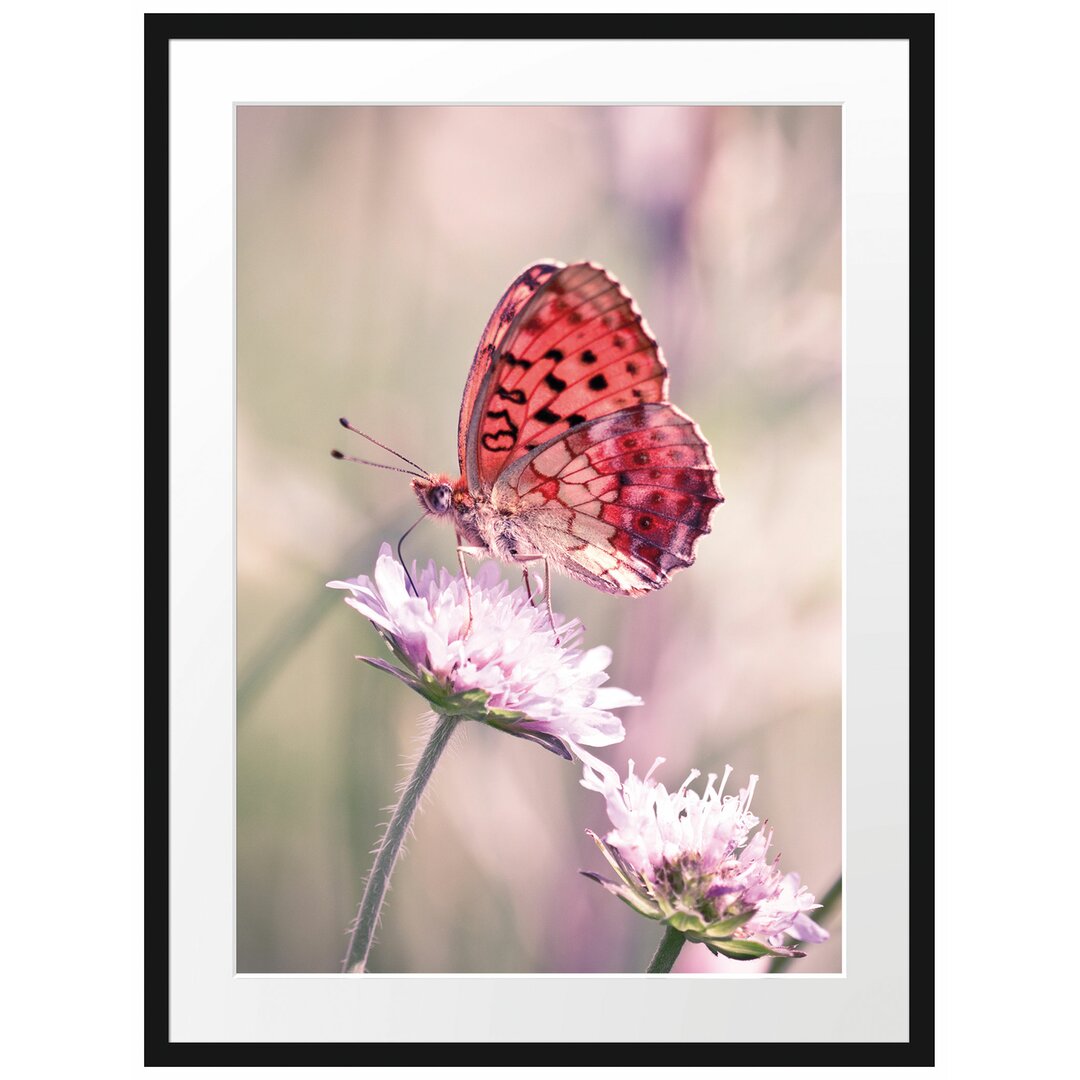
(694, 774)
(723, 783)
(745, 804)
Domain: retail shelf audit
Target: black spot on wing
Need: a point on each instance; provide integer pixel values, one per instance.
(501, 439)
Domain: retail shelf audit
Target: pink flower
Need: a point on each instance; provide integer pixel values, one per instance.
(507, 669)
(689, 861)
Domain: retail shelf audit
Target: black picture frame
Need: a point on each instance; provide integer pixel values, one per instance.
(919, 31)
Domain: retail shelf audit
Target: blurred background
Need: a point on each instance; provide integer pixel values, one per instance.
(372, 244)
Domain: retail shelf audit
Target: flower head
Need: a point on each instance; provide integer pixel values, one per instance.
(688, 860)
(506, 668)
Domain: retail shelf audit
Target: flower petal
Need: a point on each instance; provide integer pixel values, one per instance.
(805, 929)
(490, 640)
(612, 697)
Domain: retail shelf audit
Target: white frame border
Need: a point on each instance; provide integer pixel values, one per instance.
(208, 1002)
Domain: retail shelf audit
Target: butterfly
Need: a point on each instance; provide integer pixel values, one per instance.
(569, 449)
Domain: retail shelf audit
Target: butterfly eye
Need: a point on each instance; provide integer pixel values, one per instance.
(439, 499)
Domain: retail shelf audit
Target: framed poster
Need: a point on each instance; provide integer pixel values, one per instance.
(345, 206)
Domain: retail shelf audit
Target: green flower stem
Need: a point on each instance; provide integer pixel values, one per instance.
(669, 948)
(367, 916)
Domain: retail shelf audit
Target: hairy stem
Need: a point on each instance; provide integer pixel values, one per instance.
(367, 915)
(669, 948)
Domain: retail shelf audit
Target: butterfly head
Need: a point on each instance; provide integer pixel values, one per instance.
(435, 493)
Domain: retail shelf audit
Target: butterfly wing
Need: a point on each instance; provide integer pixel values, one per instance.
(565, 345)
(489, 351)
(618, 502)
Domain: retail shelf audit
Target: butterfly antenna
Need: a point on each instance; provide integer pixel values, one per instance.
(401, 558)
(363, 435)
(374, 464)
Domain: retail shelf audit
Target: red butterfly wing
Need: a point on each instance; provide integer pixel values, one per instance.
(620, 502)
(564, 346)
(521, 290)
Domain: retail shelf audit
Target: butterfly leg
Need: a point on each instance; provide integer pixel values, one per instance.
(547, 598)
(476, 553)
(547, 587)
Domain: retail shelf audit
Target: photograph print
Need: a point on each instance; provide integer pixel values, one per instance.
(539, 442)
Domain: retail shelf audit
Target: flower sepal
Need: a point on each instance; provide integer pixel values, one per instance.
(719, 935)
(510, 722)
(640, 903)
(691, 924)
(627, 874)
(467, 704)
(746, 949)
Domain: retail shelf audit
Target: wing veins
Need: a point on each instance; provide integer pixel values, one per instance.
(603, 397)
(651, 541)
(647, 346)
(636, 319)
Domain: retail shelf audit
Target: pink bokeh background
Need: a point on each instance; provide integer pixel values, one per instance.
(372, 243)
